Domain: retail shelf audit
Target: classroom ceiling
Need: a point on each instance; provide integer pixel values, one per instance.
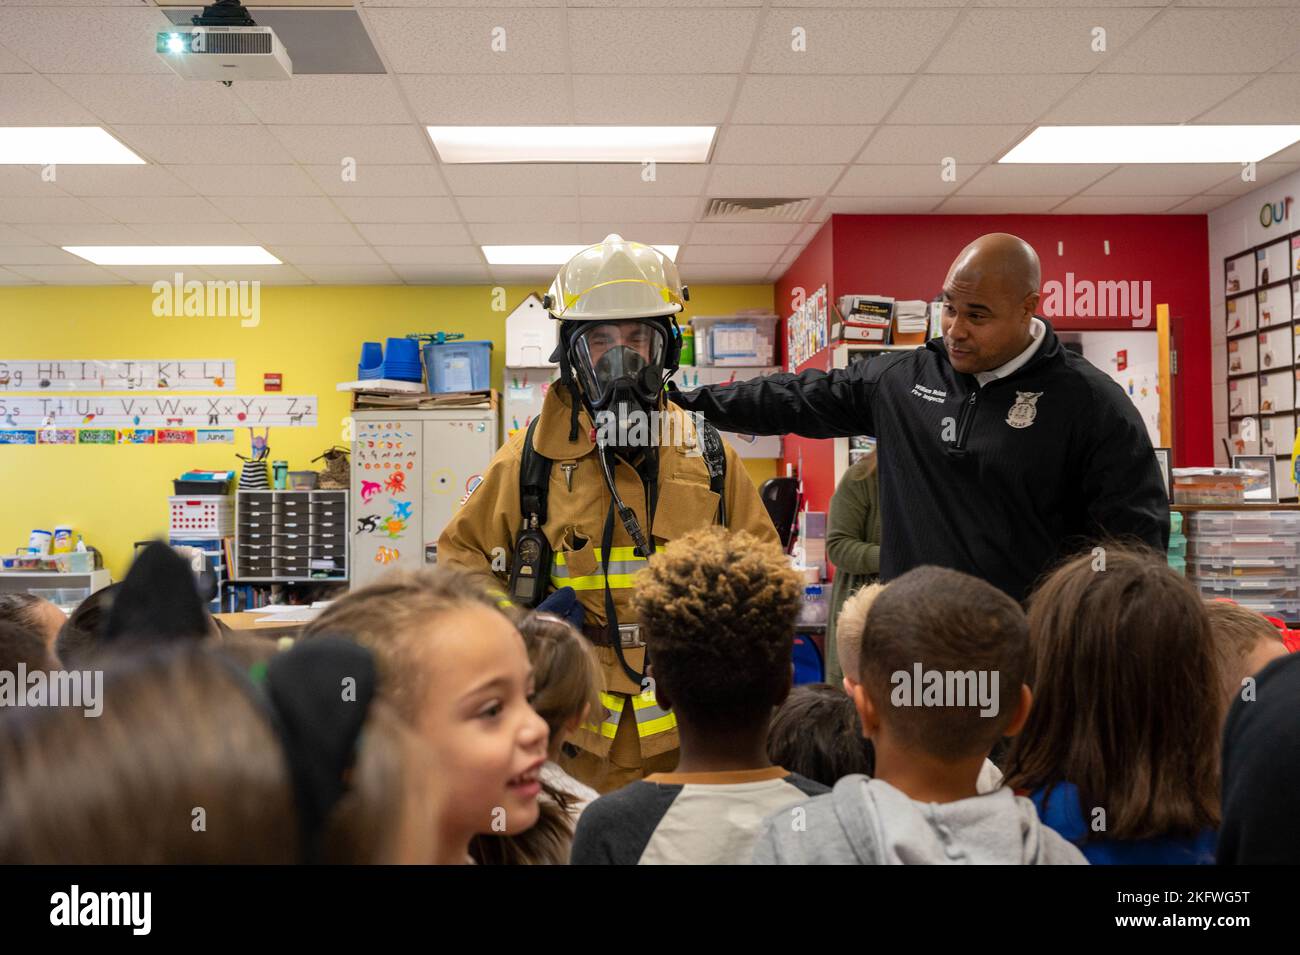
(858, 123)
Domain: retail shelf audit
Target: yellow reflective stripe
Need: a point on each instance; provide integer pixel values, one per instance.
(660, 725)
(615, 553)
(616, 582)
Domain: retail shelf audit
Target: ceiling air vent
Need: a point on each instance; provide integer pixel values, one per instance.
(759, 210)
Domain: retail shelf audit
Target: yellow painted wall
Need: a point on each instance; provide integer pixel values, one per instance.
(116, 495)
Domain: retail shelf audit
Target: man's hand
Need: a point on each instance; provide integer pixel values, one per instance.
(564, 603)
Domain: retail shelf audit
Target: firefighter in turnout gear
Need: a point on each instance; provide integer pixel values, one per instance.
(607, 473)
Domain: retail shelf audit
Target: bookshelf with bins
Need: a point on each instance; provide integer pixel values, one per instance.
(291, 536)
(1262, 293)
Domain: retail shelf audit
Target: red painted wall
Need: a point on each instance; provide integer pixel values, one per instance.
(908, 257)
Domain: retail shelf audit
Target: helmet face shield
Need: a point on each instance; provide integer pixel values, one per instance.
(630, 354)
(617, 280)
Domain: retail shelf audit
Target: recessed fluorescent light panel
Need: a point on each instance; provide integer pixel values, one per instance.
(63, 146)
(174, 254)
(468, 144)
(1151, 144)
(546, 254)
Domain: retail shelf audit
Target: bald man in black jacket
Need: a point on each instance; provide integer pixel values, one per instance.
(1000, 451)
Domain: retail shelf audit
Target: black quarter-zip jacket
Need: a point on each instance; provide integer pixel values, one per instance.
(1000, 482)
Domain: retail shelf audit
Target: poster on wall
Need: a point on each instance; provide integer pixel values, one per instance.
(177, 374)
(199, 411)
(806, 332)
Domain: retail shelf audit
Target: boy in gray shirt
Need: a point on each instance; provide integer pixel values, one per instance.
(940, 679)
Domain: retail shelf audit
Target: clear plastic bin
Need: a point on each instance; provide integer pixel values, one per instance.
(65, 598)
(1216, 568)
(1244, 523)
(1251, 548)
(1251, 588)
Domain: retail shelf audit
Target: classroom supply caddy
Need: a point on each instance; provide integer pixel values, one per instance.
(291, 536)
(1251, 556)
(742, 339)
(202, 516)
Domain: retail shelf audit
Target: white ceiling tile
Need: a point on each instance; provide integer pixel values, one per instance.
(638, 209)
(998, 205)
(849, 41)
(744, 233)
(629, 179)
(414, 209)
(1199, 205)
(647, 233)
(660, 40)
(1211, 41)
(474, 3)
(243, 181)
(788, 256)
(302, 233)
(318, 100)
(350, 274)
(817, 99)
(442, 274)
(980, 99)
(13, 278)
(11, 236)
(1032, 179)
(700, 99)
(1161, 180)
(901, 180)
(1035, 41)
(303, 256)
(424, 233)
(27, 99)
(933, 144)
(1265, 173)
(1290, 65)
(11, 64)
(379, 180)
(149, 274)
(84, 39)
(470, 40)
(268, 209)
(405, 144)
(790, 144)
(204, 144)
(730, 254)
(880, 205)
(121, 181)
(772, 181)
(68, 274)
(487, 100)
(1118, 205)
(199, 233)
(518, 209)
(49, 209)
(27, 181)
(266, 274)
(1270, 99)
(1073, 3)
(1132, 98)
(512, 179)
(160, 209)
(725, 274)
(430, 255)
(544, 232)
(157, 98)
(37, 255)
(83, 233)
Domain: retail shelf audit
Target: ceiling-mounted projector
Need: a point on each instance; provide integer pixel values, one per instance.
(225, 44)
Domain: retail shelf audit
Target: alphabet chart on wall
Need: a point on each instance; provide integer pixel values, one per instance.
(197, 411)
(176, 374)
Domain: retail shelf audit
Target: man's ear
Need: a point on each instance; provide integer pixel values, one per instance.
(1031, 304)
(1022, 711)
(866, 710)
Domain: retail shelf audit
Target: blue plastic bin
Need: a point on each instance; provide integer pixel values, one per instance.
(458, 366)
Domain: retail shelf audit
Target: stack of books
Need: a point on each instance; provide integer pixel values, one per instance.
(865, 318)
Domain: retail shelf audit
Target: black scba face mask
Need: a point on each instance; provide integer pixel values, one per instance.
(620, 365)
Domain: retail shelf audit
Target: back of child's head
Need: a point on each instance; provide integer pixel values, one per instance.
(392, 617)
(718, 609)
(32, 613)
(158, 602)
(816, 733)
(21, 645)
(933, 620)
(78, 642)
(849, 626)
(1128, 702)
(189, 762)
(1244, 641)
(566, 676)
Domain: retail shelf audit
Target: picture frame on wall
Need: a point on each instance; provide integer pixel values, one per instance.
(1162, 457)
(1261, 490)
